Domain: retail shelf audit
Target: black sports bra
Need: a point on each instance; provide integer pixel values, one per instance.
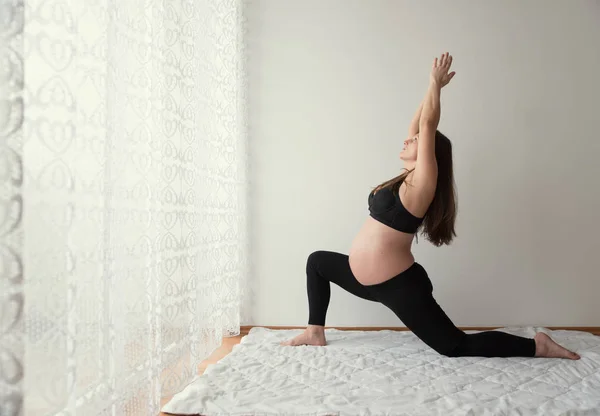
(385, 206)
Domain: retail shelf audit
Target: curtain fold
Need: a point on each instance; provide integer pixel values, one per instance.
(124, 253)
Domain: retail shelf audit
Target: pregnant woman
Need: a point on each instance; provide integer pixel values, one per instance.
(381, 267)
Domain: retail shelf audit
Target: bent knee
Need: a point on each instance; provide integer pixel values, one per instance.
(314, 258)
(450, 349)
(321, 260)
(449, 352)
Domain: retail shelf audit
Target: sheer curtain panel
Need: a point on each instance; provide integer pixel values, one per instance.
(123, 167)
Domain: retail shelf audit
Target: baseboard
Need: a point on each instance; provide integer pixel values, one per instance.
(591, 329)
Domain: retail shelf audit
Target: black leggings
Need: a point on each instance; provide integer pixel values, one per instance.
(409, 296)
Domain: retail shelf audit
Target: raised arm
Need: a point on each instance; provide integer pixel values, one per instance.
(426, 166)
(413, 129)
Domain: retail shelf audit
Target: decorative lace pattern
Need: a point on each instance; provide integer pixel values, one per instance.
(123, 206)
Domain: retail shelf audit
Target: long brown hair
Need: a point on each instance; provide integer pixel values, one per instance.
(438, 224)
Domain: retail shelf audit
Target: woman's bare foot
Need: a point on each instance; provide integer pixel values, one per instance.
(313, 335)
(545, 347)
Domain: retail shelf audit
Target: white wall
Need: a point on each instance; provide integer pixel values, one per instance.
(333, 85)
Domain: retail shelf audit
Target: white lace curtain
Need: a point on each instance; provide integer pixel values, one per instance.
(123, 171)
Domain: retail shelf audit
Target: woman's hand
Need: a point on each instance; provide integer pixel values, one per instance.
(439, 72)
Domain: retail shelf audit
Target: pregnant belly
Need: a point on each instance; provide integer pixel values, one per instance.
(379, 253)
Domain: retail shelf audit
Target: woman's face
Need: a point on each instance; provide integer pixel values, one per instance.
(409, 151)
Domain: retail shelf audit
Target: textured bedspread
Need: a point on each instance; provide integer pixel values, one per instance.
(391, 373)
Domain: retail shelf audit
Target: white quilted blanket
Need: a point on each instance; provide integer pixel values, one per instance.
(391, 373)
